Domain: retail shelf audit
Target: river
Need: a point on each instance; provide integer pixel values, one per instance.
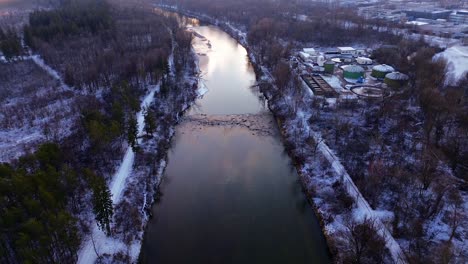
(229, 193)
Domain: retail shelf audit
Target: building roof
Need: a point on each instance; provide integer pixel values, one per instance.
(309, 50)
(303, 54)
(353, 68)
(363, 58)
(346, 49)
(417, 23)
(383, 68)
(397, 76)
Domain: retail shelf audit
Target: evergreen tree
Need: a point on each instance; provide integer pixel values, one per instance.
(150, 122)
(10, 45)
(132, 134)
(36, 226)
(2, 34)
(164, 87)
(102, 204)
(28, 36)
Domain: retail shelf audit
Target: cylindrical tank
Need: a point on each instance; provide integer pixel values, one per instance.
(379, 71)
(329, 67)
(396, 79)
(353, 72)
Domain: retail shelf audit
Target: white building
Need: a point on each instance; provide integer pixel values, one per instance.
(363, 60)
(310, 51)
(304, 56)
(347, 50)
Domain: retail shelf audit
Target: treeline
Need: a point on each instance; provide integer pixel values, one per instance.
(326, 23)
(74, 17)
(96, 46)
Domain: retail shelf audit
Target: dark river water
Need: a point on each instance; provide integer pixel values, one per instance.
(230, 195)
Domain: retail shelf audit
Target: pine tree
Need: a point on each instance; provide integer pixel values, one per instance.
(11, 45)
(2, 34)
(28, 36)
(132, 134)
(150, 122)
(102, 204)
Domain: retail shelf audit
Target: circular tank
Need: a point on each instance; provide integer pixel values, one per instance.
(329, 67)
(396, 79)
(379, 71)
(353, 72)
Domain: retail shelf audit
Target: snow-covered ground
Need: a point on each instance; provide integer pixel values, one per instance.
(457, 63)
(98, 242)
(34, 109)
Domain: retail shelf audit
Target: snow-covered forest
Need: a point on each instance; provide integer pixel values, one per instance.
(90, 94)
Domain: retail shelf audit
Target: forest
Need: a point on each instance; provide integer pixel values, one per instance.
(109, 57)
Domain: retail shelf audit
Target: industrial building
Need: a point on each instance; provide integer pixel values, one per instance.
(310, 51)
(363, 60)
(347, 50)
(428, 13)
(459, 17)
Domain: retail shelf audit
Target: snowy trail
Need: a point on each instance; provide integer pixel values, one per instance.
(125, 168)
(41, 63)
(98, 241)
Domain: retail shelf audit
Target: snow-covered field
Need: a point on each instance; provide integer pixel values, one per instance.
(35, 107)
(457, 63)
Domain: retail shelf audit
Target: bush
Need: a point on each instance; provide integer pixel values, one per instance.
(343, 198)
(365, 245)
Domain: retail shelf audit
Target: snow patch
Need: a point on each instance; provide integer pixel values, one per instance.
(202, 90)
(457, 63)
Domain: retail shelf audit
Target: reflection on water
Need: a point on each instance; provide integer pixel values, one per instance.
(230, 195)
(227, 73)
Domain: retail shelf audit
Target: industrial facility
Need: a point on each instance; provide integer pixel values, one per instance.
(346, 73)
